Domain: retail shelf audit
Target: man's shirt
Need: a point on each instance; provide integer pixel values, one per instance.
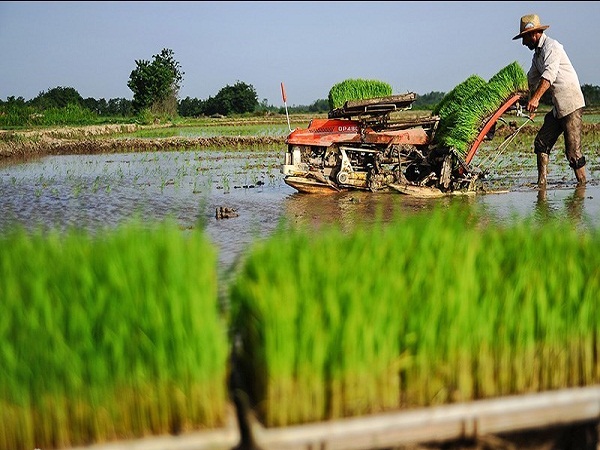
(550, 61)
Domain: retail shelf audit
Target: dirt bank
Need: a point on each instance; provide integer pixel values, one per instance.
(117, 145)
(106, 139)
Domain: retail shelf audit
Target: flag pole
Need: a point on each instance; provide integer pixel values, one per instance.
(285, 103)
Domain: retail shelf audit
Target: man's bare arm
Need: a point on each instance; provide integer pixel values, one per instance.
(534, 101)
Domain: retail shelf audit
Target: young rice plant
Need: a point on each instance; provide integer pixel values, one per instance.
(112, 336)
(427, 310)
(357, 89)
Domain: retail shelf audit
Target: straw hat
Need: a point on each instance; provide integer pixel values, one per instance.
(530, 23)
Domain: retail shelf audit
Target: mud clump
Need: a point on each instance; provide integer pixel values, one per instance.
(225, 212)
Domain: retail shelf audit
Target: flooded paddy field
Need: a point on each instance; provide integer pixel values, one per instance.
(191, 186)
(96, 191)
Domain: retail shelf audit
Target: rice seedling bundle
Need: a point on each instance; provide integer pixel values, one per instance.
(112, 336)
(357, 89)
(438, 310)
(512, 77)
(460, 93)
(461, 117)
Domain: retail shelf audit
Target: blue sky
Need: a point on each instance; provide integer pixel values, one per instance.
(414, 46)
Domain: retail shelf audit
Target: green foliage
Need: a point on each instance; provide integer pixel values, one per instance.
(71, 114)
(428, 101)
(113, 107)
(114, 335)
(463, 110)
(237, 99)
(454, 311)
(357, 89)
(321, 105)
(60, 106)
(155, 84)
(58, 97)
(591, 94)
(318, 106)
(190, 107)
(14, 114)
(145, 117)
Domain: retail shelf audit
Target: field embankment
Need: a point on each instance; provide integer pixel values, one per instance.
(115, 138)
(109, 139)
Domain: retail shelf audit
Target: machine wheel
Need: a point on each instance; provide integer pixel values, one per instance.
(342, 177)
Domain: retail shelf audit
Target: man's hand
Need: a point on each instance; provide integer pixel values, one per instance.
(534, 101)
(532, 104)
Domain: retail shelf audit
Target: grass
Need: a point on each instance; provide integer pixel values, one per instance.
(212, 130)
(109, 336)
(440, 310)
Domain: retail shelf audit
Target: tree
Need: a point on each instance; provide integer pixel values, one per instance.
(155, 84)
(97, 106)
(58, 97)
(13, 101)
(429, 100)
(591, 94)
(321, 105)
(237, 99)
(190, 107)
(119, 107)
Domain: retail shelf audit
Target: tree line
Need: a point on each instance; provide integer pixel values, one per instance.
(155, 85)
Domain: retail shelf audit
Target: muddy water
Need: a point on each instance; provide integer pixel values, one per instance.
(96, 191)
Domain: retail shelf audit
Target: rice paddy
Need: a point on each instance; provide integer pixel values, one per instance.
(399, 303)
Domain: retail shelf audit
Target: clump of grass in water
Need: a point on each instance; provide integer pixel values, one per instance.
(461, 116)
(109, 337)
(357, 89)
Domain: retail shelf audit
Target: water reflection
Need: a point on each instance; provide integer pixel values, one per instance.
(94, 191)
(574, 205)
(336, 208)
(349, 209)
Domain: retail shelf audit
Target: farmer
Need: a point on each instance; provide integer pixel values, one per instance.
(552, 69)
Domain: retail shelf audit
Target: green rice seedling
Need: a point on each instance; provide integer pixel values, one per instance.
(441, 309)
(462, 127)
(357, 89)
(460, 93)
(448, 106)
(461, 117)
(111, 336)
(512, 77)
